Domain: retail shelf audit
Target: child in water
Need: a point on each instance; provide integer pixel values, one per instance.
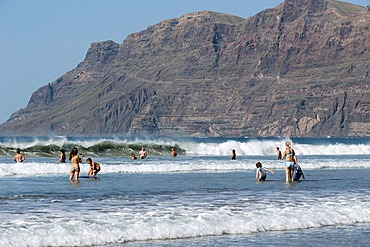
(298, 173)
(94, 167)
(261, 172)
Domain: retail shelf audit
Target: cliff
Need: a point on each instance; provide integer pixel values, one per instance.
(300, 69)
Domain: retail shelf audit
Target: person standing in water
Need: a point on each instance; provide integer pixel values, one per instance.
(19, 158)
(261, 172)
(278, 152)
(233, 154)
(173, 153)
(75, 160)
(62, 156)
(142, 153)
(290, 160)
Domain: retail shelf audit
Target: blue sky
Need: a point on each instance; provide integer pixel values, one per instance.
(40, 40)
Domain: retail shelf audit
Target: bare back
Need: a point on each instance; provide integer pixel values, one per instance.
(19, 158)
(75, 161)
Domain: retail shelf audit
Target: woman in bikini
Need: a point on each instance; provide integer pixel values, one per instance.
(290, 160)
(75, 160)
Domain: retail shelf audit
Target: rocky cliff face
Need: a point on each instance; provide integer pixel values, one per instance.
(300, 69)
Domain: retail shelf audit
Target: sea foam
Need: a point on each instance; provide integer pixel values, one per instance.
(178, 219)
(101, 146)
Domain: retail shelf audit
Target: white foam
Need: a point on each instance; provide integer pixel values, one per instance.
(177, 219)
(244, 147)
(268, 147)
(161, 165)
(35, 168)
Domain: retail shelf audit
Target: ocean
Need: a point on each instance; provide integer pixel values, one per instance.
(199, 198)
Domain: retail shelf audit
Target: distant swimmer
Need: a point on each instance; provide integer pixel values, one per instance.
(132, 156)
(94, 167)
(298, 173)
(278, 152)
(62, 156)
(261, 172)
(75, 166)
(142, 153)
(19, 158)
(290, 160)
(233, 154)
(173, 152)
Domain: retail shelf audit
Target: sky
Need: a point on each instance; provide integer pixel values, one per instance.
(40, 40)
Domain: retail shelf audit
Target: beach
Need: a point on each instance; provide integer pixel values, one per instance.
(193, 199)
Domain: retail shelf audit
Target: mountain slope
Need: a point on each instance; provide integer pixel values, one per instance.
(300, 69)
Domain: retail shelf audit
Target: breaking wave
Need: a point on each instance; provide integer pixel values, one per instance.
(103, 146)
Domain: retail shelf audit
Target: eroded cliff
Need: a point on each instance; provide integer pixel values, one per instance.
(300, 69)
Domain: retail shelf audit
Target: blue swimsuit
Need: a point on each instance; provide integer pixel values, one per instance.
(290, 164)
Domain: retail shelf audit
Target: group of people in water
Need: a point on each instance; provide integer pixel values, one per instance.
(293, 171)
(77, 158)
(143, 154)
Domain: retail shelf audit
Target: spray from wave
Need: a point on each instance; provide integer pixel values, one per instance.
(50, 146)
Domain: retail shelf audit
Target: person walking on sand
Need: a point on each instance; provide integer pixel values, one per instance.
(19, 158)
(261, 172)
(75, 166)
(94, 167)
(290, 160)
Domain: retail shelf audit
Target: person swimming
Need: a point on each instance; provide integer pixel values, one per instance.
(133, 156)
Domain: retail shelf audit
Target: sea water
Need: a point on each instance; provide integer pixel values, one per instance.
(199, 198)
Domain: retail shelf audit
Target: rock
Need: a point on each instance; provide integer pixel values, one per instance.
(300, 69)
